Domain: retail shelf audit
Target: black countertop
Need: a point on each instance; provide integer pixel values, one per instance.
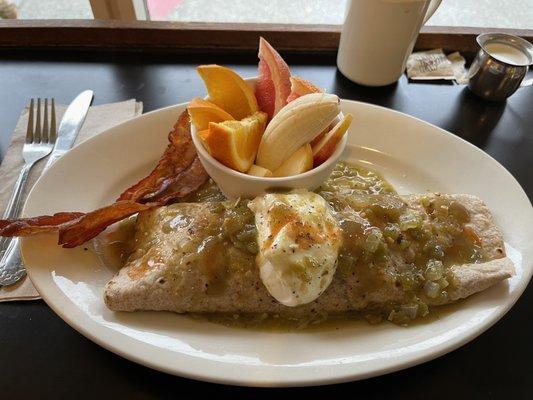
(42, 357)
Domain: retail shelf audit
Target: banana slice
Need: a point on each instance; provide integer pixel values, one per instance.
(299, 162)
(256, 170)
(294, 125)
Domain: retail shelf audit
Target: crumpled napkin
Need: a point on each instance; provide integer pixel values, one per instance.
(434, 64)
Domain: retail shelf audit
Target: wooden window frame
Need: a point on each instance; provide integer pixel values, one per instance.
(192, 36)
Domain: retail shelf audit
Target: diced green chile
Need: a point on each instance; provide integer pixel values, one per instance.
(376, 224)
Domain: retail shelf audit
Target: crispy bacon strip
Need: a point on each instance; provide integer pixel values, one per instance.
(178, 173)
(95, 222)
(91, 224)
(181, 185)
(36, 225)
(179, 155)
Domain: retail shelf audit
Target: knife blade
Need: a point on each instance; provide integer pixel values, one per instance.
(70, 126)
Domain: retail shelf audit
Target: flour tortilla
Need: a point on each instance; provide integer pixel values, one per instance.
(159, 279)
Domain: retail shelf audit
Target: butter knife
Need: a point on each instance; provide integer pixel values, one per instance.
(11, 268)
(70, 126)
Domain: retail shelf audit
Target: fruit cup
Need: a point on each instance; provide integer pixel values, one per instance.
(236, 184)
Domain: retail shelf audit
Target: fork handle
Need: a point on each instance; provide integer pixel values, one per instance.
(15, 201)
(11, 268)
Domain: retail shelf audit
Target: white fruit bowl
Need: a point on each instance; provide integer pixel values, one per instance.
(235, 184)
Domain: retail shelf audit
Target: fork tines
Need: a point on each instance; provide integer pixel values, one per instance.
(44, 132)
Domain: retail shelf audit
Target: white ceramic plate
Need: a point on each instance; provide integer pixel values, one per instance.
(415, 156)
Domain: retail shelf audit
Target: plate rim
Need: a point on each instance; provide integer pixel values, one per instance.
(183, 371)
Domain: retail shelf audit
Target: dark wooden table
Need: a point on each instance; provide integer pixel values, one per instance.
(42, 357)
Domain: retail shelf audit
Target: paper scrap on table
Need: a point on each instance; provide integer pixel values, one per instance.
(434, 64)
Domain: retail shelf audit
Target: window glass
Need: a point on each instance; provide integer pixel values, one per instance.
(476, 13)
(49, 9)
(516, 14)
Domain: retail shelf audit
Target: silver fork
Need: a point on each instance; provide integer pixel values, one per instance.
(39, 143)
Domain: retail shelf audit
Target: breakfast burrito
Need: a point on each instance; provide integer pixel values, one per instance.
(302, 253)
